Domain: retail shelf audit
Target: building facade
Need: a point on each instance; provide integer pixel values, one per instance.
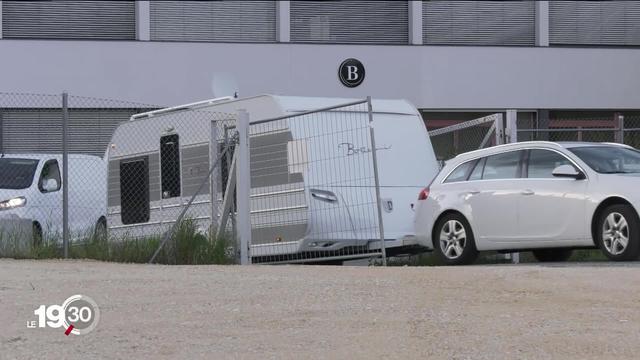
(454, 60)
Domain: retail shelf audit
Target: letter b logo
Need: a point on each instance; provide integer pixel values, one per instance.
(351, 73)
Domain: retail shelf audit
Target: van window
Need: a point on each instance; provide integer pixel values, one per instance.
(460, 173)
(170, 166)
(134, 190)
(542, 162)
(502, 166)
(17, 173)
(50, 170)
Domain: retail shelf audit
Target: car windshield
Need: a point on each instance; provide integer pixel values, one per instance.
(17, 173)
(609, 159)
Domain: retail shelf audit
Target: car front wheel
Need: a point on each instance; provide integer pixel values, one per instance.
(618, 233)
(454, 242)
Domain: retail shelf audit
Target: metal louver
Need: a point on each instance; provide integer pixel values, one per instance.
(594, 23)
(40, 130)
(106, 20)
(350, 22)
(478, 23)
(224, 21)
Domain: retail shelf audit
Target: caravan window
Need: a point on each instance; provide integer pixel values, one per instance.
(170, 166)
(134, 190)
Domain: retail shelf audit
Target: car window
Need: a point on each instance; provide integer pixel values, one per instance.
(476, 174)
(609, 159)
(50, 170)
(502, 166)
(542, 162)
(460, 173)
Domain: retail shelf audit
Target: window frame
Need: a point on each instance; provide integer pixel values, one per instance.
(466, 174)
(525, 170)
(146, 195)
(41, 177)
(178, 170)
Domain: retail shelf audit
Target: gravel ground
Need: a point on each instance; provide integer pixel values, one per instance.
(276, 312)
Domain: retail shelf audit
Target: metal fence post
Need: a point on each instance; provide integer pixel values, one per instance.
(512, 129)
(619, 136)
(243, 187)
(499, 125)
(213, 181)
(65, 174)
(377, 182)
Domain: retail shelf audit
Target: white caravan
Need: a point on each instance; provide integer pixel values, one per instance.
(288, 214)
(31, 196)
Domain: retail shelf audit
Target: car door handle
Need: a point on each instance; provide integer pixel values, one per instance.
(473, 192)
(527, 192)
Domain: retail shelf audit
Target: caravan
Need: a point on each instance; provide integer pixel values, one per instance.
(157, 161)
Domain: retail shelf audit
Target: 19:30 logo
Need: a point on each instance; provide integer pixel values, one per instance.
(78, 315)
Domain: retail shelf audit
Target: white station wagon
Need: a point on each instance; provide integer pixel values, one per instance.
(538, 196)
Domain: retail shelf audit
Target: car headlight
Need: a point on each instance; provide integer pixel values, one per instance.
(13, 203)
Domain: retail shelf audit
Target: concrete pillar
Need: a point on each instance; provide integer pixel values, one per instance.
(415, 22)
(283, 21)
(542, 23)
(143, 21)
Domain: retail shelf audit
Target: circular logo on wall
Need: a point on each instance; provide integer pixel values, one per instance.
(351, 72)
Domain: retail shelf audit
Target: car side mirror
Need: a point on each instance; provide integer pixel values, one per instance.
(50, 185)
(568, 171)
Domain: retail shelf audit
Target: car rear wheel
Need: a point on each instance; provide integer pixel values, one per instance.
(552, 255)
(453, 240)
(618, 234)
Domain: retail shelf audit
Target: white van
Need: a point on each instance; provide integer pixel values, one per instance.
(141, 200)
(31, 196)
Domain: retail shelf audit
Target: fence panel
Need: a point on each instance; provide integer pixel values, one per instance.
(467, 136)
(313, 187)
(570, 129)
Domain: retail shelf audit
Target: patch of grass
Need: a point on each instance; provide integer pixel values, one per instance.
(186, 247)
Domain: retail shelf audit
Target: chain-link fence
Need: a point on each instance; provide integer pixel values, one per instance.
(584, 129)
(52, 170)
(467, 136)
(617, 128)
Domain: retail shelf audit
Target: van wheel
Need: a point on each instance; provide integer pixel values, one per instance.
(454, 242)
(36, 234)
(552, 255)
(100, 232)
(618, 234)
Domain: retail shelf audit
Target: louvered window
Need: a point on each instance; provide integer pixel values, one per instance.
(345, 22)
(40, 130)
(594, 23)
(478, 23)
(106, 20)
(214, 21)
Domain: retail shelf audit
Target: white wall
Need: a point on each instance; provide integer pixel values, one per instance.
(432, 77)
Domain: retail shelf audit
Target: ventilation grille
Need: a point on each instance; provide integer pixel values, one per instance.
(40, 130)
(213, 21)
(106, 20)
(478, 23)
(349, 22)
(594, 23)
